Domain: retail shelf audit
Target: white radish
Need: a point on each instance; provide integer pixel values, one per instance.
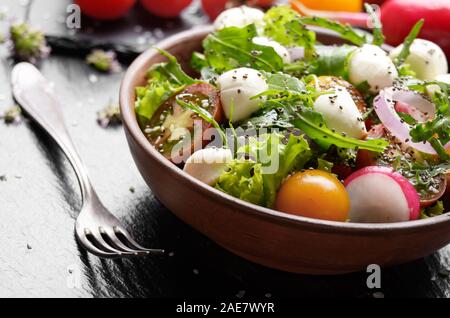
(381, 195)
(208, 164)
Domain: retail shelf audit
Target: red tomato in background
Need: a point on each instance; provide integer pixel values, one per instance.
(166, 9)
(105, 9)
(214, 7)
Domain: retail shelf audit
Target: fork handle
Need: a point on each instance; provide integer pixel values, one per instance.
(34, 93)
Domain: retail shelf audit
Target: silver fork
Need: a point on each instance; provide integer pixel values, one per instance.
(100, 232)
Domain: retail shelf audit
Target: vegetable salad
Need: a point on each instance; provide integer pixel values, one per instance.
(345, 132)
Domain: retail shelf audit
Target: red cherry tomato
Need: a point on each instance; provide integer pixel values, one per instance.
(214, 7)
(166, 9)
(105, 9)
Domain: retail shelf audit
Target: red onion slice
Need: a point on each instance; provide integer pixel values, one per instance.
(384, 107)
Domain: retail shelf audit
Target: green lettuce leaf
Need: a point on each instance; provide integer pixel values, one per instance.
(243, 179)
(277, 158)
(284, 26)
(164, 80)
(284, 82)
(233, 47)
(313, 124)
(333, 60)
(345, 30)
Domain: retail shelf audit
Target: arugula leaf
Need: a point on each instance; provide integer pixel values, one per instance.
(436, 131)
(407, 118)
(164, 80)
(198, 61)
(233, 47)
(274, 118)
(330, 60)
(170, 71)
(378, 36)
(204, 114)
(313, 124)
(284, 26)
(344, 30)
(284, 82)
(404, 53)
(333, 60)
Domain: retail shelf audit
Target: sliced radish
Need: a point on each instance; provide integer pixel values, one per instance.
(381, 195)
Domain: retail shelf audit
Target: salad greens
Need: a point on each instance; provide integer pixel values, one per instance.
(259, 178)
(233, 47)
(378, 36)
(284, 26)
(437, 130)
(165, 80)
(272, 107)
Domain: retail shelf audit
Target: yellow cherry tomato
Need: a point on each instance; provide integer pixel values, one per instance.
(315, 194)
(333, 5)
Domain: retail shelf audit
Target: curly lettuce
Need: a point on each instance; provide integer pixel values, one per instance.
(258, 179)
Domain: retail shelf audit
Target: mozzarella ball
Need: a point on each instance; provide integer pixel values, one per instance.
(341, 113)
(370, 63)
(237, 87)
(240, 17)
(445, 78)
(426, 59)
(279, 49)
(208, 164)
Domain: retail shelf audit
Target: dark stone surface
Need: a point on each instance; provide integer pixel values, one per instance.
(40, 200)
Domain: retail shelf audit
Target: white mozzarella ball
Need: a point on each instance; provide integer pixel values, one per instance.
(279, 49)
(237, 87)
(341, 113)
(208, 164)
(445, 78)
(426, 59)
(240, 17)
(370, 63)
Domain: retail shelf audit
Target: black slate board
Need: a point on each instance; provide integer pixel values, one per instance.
(40, 200)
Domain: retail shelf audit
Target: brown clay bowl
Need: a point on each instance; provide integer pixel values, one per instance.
(271, 238)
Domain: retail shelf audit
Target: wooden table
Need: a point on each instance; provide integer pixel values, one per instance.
(40, 199)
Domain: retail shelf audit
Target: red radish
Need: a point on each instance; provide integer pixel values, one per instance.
(381, 195)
